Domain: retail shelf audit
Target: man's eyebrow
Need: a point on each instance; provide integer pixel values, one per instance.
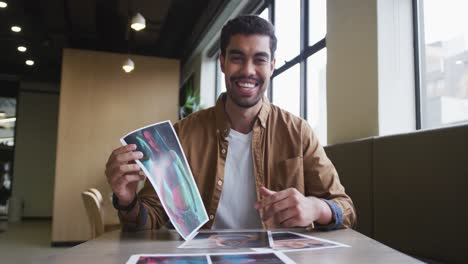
(262, 54)
(236, 52)
(258, 54)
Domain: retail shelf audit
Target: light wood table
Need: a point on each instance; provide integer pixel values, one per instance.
(117, 247)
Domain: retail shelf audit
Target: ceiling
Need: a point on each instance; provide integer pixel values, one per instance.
(48, 26)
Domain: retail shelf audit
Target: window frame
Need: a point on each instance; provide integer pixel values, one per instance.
(306, 50)
(417, 7)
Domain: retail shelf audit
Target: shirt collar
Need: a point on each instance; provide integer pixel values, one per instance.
(222, 123)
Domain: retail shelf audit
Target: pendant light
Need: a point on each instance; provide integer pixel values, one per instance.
(128, 65)
(138, 22)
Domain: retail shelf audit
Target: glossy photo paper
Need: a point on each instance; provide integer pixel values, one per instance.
(290, 241)
(216, 258)
(228, 240)
(166, 167)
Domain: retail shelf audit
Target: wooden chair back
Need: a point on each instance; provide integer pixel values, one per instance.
(93, 209)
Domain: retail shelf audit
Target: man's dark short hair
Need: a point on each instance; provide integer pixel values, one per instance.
(248, 25)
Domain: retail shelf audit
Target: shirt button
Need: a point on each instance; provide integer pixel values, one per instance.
(220, 183)
(223, 151)
(211, 217)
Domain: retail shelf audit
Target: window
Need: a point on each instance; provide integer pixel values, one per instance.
(317, 93)
(316, 71)
(7, 122)
(287, 93)
(299, 81)
(443, 62)
(265, 14)
(317, 20)
(220, 83)
(287, 28)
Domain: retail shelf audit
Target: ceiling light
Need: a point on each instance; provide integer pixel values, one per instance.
(30, 62)
(138, 22)
(459, 62)
(3, 4)
(22, 48)
(128, 65)
(8, 120)
(15, 28)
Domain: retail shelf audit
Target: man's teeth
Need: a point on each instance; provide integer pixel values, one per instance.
(246, 85)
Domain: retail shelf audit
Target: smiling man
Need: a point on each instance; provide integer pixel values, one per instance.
(255, 164)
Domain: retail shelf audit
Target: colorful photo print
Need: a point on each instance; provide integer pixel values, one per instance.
(285, 236)
(166, 259)
(290, 241)
(228, 240)
(263, 258)
(202, 258)
(166, 167)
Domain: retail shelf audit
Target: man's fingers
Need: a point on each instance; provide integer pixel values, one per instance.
(129, 178)
(276, 208)
(123, 149)
(118, 171)
(291, 222)
(286, 215)
(128, 156)
(266, 192)
(276, 197)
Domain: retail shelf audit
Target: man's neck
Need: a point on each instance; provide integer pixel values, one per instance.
(242, 119)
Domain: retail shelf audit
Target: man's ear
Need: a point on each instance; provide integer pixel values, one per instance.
(221, 61)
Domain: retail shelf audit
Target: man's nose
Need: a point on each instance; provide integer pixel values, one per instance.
(248, 68)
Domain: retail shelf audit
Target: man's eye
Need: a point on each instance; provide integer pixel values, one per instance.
(236, 59)
(261, 60)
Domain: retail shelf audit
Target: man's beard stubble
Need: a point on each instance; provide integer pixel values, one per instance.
(233, 79)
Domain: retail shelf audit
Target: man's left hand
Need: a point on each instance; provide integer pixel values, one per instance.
(290, 208)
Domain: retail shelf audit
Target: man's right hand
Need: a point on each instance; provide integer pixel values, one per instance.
(123, 173)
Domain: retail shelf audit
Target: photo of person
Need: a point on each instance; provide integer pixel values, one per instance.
(300, 244)
(165, 166)
(267, 258)
(288, 241)
(228, 240)
(171, 259)
(285, 236)
(200, 258)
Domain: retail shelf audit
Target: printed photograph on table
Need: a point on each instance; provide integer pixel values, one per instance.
(290, 241)
(260, 258)
(163, 259)
(228, 240)
(217, 258)
(166, 167)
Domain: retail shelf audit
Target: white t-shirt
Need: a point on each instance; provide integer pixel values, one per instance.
(236, 206)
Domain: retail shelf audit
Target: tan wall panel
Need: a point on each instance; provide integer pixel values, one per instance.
(99, 103)
(352, 70)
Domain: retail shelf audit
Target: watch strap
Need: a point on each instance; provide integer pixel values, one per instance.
(128, 208)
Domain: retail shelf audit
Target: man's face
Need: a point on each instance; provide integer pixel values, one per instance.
(247, 68)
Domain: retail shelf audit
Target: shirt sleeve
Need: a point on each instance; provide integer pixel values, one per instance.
(151, 215)
(139, 224)
(337, 216)
(321, 180)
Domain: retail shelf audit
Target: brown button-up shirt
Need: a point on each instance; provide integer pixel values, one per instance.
(286, 154)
